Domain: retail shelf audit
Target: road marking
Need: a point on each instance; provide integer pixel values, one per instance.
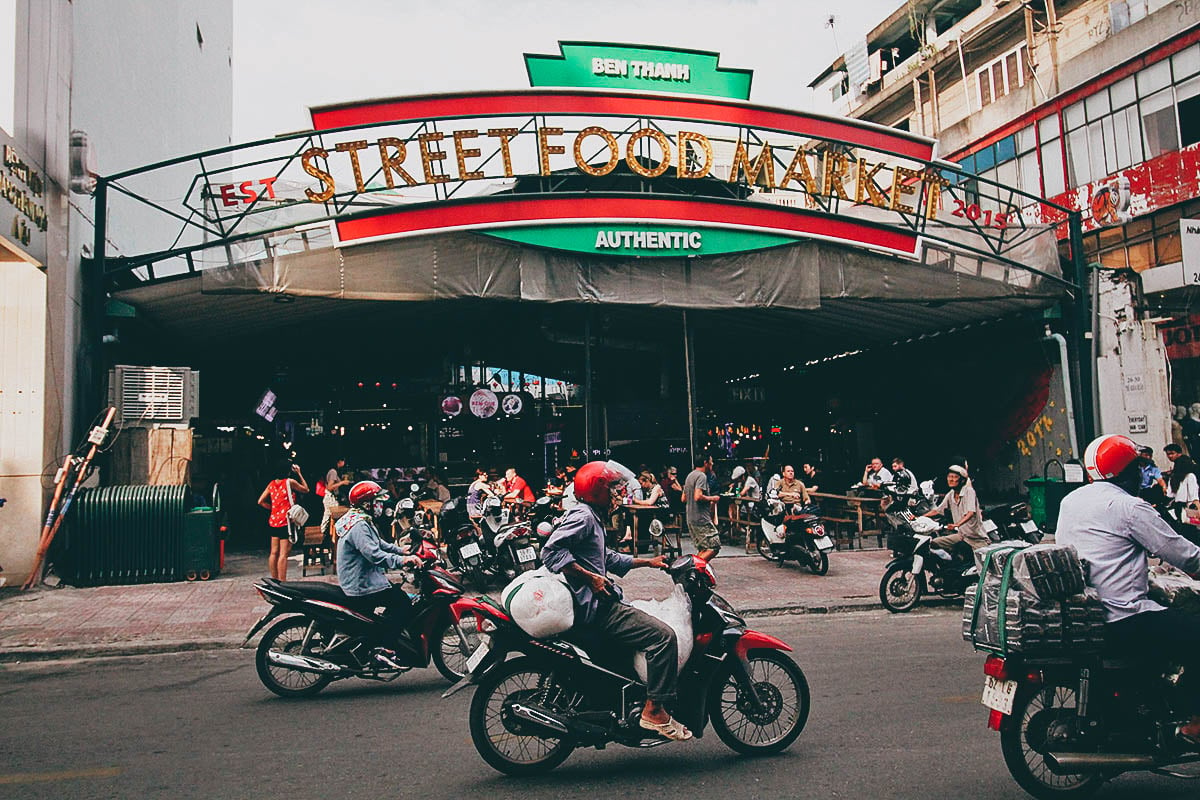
(64, 775)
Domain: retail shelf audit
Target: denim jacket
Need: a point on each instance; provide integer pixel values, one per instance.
(579, 538)
(363, 558)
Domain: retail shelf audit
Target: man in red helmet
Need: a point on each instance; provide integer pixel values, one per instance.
(363, 561)
(577, 549)
(1114, 530)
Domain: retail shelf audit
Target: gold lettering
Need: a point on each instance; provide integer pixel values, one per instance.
(832, 174)
(504, 135)
(803, 174)
(901, 187)
(763, 166)
(631, 157)
(395, 162)
(866, 190)
(462, 155)
(352, 148)
(545, 149)
(430, 156)
(934, 184)
(614, 151)
(684, 169)
(327, 185)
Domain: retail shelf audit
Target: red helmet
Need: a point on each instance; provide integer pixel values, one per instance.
(364, 492)
(1108, 456)
(596, 482)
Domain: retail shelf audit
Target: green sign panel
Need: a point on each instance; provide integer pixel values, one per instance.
(655, 241)
(596, 65)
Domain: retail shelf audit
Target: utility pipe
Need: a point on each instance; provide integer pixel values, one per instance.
(1066, 378)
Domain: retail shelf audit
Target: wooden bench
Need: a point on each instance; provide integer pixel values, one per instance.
(849, 517)
(315, 551)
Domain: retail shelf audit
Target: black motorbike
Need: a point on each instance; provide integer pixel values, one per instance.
(467, 549)
(529, 713)
(916, 568)
(320, 638)
(793, 532)
(1011, 522)
(1070, 723)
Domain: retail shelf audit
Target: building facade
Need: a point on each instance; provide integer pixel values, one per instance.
(1092, 104)
(88, 88)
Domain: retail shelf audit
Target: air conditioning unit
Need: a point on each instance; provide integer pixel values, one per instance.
(154, 396)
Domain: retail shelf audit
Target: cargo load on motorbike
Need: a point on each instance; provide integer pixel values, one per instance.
(1032, 599)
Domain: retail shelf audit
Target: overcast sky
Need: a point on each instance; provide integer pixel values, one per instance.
(292, 54)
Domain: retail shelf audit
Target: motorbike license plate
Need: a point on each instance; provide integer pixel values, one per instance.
(1029, 526)
(481, 651)
(998, 695)
(989, 526)
(824, 543)
(469, 550)
(526, 554)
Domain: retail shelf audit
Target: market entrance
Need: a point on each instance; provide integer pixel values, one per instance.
(666, 261)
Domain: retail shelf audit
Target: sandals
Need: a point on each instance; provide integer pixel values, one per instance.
(672, 729)
(1191, 739)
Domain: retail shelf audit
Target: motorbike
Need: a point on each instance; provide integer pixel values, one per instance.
(318, 638)
(1011, 522)
(1070, 723)
(915, 567)
(467, 550)
(796, 536)
(530, 712)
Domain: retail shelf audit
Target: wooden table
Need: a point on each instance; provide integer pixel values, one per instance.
(734, 517)
(433, 508)
(640, 513)
(856, 508)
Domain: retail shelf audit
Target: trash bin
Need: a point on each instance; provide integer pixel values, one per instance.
(1046, 495)
(200, 549)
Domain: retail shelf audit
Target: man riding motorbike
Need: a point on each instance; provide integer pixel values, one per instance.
(1114, 531)
(363, 560)
(965, 513)
(578, 550)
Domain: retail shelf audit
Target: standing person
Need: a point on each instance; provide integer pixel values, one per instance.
(1152, 487)
(812, 477)
(277, 498)
(967, 524)
(700, 504)
(577, 550)
(1191, 428)
(1177, 436)
(1115, 532)
(1183, 488)
(334, 480)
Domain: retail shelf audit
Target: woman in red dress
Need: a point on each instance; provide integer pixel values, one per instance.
(275, 499)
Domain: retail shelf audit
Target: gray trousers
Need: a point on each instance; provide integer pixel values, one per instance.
(637, 630)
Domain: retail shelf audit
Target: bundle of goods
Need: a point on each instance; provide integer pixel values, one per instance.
(1032, 600)
(1174, 589)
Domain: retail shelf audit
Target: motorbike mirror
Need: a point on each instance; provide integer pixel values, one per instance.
(414, 487)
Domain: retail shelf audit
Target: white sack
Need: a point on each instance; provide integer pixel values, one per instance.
(676, 611)
(540, 603)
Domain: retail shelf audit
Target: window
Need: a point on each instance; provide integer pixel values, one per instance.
(1002, 76)
(1158, 123)
(1145, 242)
(8, 65)
(1012, 161)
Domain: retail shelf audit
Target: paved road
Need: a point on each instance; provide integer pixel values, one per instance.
(895, 715)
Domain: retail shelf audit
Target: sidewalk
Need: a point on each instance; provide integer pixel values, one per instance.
(169, 617)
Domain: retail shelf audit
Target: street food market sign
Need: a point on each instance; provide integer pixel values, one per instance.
(617, 151)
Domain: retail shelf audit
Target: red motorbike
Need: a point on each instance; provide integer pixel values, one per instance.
(320, 638)
(529, 713)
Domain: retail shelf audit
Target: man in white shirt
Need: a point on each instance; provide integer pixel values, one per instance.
(1115, 531)
(876, 474)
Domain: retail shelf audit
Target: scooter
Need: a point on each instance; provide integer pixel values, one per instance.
(466, 550)
(794, 534)
(917, 568)
(1011, 522)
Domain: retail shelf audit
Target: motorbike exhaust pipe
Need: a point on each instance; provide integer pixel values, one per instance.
(303, 663)
(541, 717)
(1074, 763)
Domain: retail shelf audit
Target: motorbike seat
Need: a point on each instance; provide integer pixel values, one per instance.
(601, 650)
(313, 590)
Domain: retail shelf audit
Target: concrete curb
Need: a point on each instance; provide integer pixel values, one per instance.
(18, 655)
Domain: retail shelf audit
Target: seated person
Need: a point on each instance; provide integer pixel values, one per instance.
(903, 478)
(749, 487)
(875, 474)
(967, 516)
(1115, 531)
(812, 477)
(516, 490)
(577, 550)
(478, 493)
(791, 489)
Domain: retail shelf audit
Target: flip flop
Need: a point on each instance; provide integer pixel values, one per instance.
(1191, 739)
(671, 729)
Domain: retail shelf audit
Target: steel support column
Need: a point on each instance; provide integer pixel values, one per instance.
(1080, 338)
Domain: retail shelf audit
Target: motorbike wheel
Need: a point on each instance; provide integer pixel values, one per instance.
(766, 551)
(1037, 710)
(781, 686)
(820, 563)
(448, 654)
(287, 636)
(498, 736)
(900, 590)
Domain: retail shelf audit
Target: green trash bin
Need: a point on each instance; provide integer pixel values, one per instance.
(1046, 495)
(1037, 500)
(200, 549)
